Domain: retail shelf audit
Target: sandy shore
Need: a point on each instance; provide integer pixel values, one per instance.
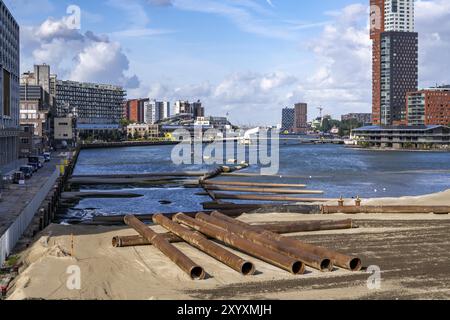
(412, 252)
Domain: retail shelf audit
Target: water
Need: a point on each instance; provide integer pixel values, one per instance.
(335, 169)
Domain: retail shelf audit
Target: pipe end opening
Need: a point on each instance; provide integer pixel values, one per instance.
(197, 273)
(298, 267)
(326, 265)
(115, 242)
(248, 268)
(355, 264)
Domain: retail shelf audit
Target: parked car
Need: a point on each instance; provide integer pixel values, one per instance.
(34, 165)
(42, 160)
(27, 170)
(18, 177)
(36, 160)
(47, 156)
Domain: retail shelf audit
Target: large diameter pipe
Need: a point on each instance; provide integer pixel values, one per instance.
(282, 261)
(278, 227)
(259, 197)
(253, 184)
(137, 240)
(181, 260)
(386, 209)
(262, 190)
(200, 242)
(312, 260)
(304, 226)
(341, 260)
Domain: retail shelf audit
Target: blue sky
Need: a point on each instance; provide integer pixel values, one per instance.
(248, 58)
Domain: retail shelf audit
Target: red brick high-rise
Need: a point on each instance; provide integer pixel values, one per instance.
(376, 29)
(134, 110)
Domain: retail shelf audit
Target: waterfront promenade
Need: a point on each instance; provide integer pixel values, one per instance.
(19, 204)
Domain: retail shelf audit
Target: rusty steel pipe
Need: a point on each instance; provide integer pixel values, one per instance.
(385, 209)
(304, 226)
(200, 242)
(137, 240)
(282, 261)
(179, 258)
(263, 197)
(252, 184)
(262, 190)
(321, 263)
(339, 259)
(277, 227)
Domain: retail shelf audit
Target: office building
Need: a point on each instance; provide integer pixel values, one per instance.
(135, 110)
(287, 119)
(155, 111)
(194, 110)
(399, 137)
(394, 59)
(182, 107)
(429, 106)
(197, 109)
(65, 131)
(9, 88)
(90, 103)
(301, 118)
(45, 79)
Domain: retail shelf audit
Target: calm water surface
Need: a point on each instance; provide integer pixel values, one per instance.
(335, 169)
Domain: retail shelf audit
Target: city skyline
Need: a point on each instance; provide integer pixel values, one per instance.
(282, 53)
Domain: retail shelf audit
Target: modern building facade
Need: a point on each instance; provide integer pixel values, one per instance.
(295, 120)
(198, 110)
(182, 107)
(34, 108)
(9, 87)
(155, 111)
(394, 59)
(43, 78)
(364, 118)
(287, 119)
(301, 118)
(195, 109)
(90, 103)
(429, 106)
(399, 137)
(135, 110)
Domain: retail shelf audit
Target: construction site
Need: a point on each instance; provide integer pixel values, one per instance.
(290, 248)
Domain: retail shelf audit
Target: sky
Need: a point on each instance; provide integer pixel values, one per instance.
(244, 58)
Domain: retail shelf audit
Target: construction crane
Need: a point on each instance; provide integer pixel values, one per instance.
(321, 110)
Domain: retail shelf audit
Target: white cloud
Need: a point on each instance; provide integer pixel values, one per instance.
(433, 25)
(341, 81)
(76, 56)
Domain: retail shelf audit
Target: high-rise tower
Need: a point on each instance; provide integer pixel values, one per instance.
(394, 59)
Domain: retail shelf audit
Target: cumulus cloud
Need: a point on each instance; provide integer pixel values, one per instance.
(76, 56)
(433, 25)
(247, 96)
(341, 82)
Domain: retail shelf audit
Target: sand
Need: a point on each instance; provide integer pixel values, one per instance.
(389, 241)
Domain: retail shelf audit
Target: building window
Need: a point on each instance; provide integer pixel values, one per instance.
(6, 93)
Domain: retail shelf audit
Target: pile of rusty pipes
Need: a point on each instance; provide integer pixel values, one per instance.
(254, 240)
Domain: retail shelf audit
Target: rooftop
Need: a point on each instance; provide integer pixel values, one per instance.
(399, 128)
